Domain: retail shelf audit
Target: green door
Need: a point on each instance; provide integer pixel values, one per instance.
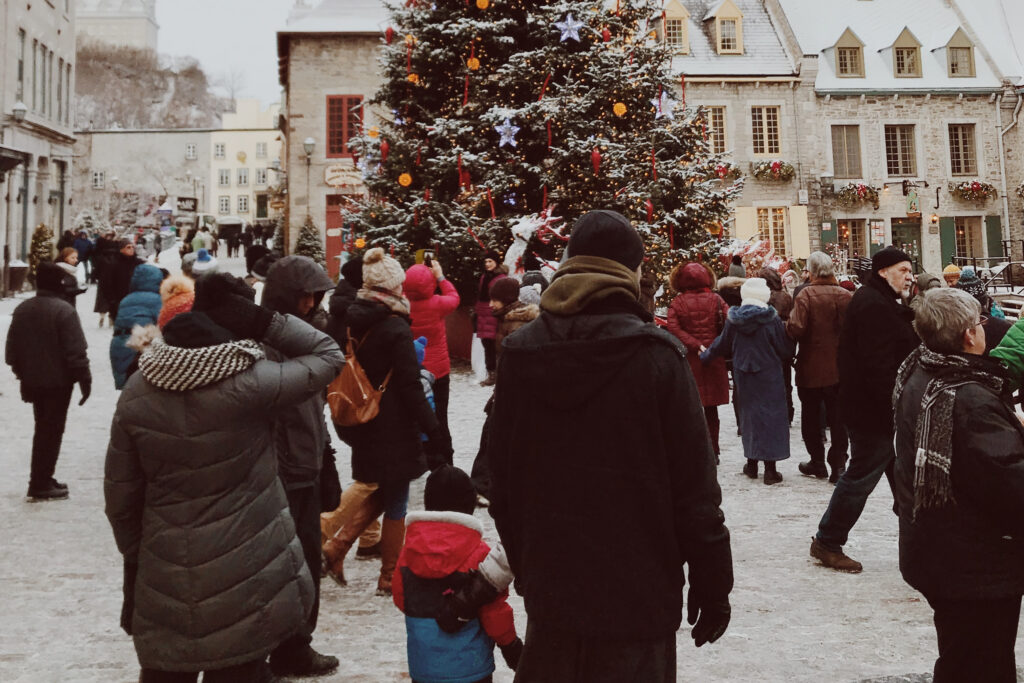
(947, 239)
(906, 235)
(994, 237)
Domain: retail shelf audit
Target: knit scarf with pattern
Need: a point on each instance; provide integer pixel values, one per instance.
(396, 302)
(178, 369)
(933, 434)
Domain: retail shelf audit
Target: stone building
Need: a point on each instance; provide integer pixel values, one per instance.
(244, 150)
(328, 68)
(121, 23)
(37, 77)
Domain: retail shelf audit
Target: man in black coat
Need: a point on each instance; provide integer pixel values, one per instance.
(119, 276)
(878, 334)
(614, 446)
(46, 349)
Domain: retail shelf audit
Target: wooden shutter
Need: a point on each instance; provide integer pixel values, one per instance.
(799, 232)
(947, 239)
(994, 236)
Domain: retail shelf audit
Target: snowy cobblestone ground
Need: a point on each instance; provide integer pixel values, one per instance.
(60, 573)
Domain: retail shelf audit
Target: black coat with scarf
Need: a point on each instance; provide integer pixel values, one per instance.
(974, 548)
(388, 449)
(615, 447)
(878, 334)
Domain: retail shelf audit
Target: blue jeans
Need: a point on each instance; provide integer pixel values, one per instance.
(395, 499)
(871, 456)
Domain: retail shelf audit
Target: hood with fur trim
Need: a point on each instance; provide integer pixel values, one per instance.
(438, 543)
(175, 285)
(747, 319)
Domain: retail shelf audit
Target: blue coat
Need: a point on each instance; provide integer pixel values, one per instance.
(756, 340)
(140, 307)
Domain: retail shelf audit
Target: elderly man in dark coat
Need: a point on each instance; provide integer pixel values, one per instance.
(616, 448)
(959, 484)
(215, 577)
(877, 335)
(46, 350)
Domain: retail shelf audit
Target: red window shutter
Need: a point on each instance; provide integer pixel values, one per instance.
(344, 122)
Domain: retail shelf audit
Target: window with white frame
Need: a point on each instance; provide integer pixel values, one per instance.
(219, 150)
(716, 129)
(900, 158)
(963, 158)
(261, 176)
(243, 177)
(675, 34)
(771, 223)
(224, 204)
(224, 177)
(765, 126)
(98, 180)
(190, 151)
(243, 204)
(846, 152)
(261, 150)
(728, 36)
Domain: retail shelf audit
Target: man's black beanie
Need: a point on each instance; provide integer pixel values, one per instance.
(609, 235)
(889, 256)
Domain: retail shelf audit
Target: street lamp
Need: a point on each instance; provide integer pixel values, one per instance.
(19, 111)
(309, 144)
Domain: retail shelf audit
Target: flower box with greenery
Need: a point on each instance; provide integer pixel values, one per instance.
(853, 194)
(726, 171)
(974, 191)
(774, 170)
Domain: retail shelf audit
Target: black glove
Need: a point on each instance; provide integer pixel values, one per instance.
(708, 616)
(241, 317)
(330, 484)
(439, 450)
(512, 652)
(131, 569)
(462, 605)
(83, 378)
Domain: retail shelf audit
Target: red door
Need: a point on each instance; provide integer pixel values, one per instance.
(337, 231)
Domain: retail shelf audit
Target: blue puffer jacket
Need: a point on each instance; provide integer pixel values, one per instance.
(140, 307)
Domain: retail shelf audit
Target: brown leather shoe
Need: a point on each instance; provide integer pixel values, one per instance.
(832, 559)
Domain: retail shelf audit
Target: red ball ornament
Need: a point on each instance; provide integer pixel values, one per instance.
(389, 34)
(384, 149)
(595, 159)
(606, 35)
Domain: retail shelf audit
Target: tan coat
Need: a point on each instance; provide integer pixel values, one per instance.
(815, 324)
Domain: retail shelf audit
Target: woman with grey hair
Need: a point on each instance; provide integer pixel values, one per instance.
(959, 485)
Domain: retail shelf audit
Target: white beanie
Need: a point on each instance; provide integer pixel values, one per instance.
(755, 292)
(380, 271)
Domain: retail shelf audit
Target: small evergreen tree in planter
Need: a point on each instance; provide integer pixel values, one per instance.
(309, 243)
(42, 250)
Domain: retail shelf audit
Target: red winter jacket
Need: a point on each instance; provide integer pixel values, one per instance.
(428, 311)
(696, 317)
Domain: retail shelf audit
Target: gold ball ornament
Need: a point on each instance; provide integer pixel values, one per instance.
(410, 39)
(473, 63)
(405, 180)
(619, 109)
(414, 78)
(373, 132)
(360, 243)
(483, 4)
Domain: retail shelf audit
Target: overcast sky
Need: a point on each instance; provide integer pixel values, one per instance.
(227, 37)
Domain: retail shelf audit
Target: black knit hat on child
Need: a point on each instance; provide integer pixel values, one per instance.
(449, 489)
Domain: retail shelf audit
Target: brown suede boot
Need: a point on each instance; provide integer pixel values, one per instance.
(392, 538)
(832, 559)
(337, 547)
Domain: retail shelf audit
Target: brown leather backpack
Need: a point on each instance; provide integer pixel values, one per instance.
(351, 396)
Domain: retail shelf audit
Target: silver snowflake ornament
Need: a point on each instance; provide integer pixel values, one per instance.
(570, 28)
(508, 133)
(664, 106)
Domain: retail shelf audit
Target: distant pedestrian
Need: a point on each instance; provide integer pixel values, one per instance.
(877, 335)
(119, 276)
(755, 338)
(959, 488)
(46, 350)
(204, 263)
(84, 246)
(104, 258)
(486, 323)
(67, 261)
(140, 308)
(736, 268)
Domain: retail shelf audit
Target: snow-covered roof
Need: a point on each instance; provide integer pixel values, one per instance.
(999, 25)
(763, 53)
(342, 16)
(818, 26)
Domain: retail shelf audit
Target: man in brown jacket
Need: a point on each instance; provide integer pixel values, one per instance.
(814, 324)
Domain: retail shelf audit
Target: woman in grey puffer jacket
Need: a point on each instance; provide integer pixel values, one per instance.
(215, 577)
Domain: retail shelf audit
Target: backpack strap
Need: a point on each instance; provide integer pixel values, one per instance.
(351, 348)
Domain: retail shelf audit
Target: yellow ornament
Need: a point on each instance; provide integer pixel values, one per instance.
(410, 39)
(405, 180)
(360, 243)
(483, 4)
(373, 132)
(619, 109)
(414, 78)
(473, 63)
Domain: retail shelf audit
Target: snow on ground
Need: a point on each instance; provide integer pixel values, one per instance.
(60, 572)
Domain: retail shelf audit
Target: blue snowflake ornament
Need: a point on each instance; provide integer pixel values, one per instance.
(570, 28)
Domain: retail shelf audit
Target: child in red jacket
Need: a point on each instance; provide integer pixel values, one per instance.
(442, 546)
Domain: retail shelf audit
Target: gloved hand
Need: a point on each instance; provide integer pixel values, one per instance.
(131, 569)
(83, 378)
(214, 290)
(439, 450)
(512, 652)
(330, 484)
(241, 317)
(461, 606)
(708, 616)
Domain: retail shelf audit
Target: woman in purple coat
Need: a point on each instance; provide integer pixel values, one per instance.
(486, 323)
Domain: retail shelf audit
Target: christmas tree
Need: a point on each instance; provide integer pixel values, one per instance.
(308, 243)
(511, 108)
(41, 250)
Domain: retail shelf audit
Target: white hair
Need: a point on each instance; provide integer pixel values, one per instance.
(820, 265)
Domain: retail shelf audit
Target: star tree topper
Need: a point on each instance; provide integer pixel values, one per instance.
(570, 28)
(508, 133)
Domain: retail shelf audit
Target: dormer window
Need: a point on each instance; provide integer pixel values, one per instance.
(849, 56)
(960, 56)
(728, 27)
(906, 56)
(676, 21)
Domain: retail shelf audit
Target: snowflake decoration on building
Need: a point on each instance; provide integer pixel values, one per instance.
(665, 106)
(570, 28)
(508, 133)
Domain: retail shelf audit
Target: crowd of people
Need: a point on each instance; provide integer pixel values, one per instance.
(224, 498)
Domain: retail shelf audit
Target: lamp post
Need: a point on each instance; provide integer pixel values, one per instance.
(309, 144)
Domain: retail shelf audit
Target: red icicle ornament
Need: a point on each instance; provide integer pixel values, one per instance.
(384, 149)
(650, 210)
(606, 35)
(490, 200)
(389, 34)
(595, 159)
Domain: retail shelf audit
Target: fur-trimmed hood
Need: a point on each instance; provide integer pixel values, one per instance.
(176, 285)
(519, 312)
(747, 319)
(731, 283)
(438, 543)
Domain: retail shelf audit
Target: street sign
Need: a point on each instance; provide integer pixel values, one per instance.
(277, 204)
(187, 204)
(340, 175)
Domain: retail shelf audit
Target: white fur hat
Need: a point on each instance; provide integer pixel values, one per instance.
(755, 292)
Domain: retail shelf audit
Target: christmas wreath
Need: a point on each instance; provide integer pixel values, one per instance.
(857, 193)
(774, 170)
(726, 171)
(974, 191)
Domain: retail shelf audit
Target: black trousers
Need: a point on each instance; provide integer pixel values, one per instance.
(250, 672)
(812, 424)
(490, 354)
(442, 391)
(480, 475)
(50, 408)
(714, 425)
(304, 505)
(976, 640)
(556, 656)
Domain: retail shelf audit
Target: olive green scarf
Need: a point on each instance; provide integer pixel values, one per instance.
(583, 280)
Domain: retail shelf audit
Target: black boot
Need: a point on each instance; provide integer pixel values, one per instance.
(750, 469)
(771, 475)
(814, 468)
(304, 662)
(48, 491)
